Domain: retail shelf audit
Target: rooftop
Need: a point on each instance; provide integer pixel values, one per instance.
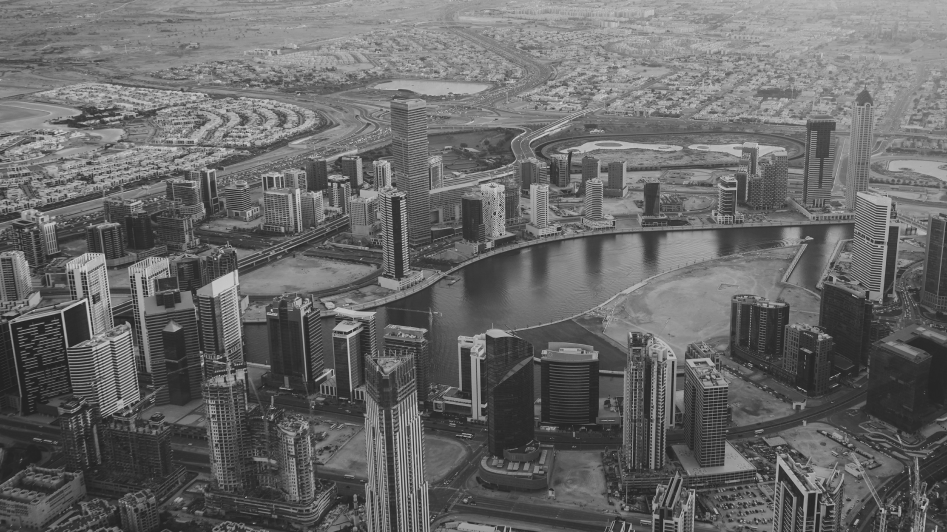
(733, 462)
(346, 327)
(706, 372)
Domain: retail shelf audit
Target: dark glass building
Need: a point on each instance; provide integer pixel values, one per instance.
(106, 238)
(471, 214)
(806, 358)
(174, 342)
(160, 310)
(317, 174)
(652, 199)
(569, 384)
(934, 290)
(757, 329)
(190, 271)
(400, 341)
(845, 313)
(509, 375)
(221, 261)
(294, 329)
(899, 384)
(139, 231)
(819, 170)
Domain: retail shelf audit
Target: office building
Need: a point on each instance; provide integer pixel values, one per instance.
(102, 370)
(143, 279)
(187, 194)
(35, 497)
(29, 239)
(818, 174)
(807, 498)
(652, 198)
(272, 181)
(47, 229)
(845, 314)
(87, 278)
(396, 229)
(339, 193)
(594, 216)
(616, 178)
(396, 494)
(80, 446)
(190, 271)
(218, 307)
(139, 231)
(590, 169)
(509, 375)
(39, 341)
(117, 208)
(569, 377)
(908, 377)
(295, 178)
(210, 196)
(228, 431)
(174, 344)
(494, 209)
(176, 229)
(560, 170)
(539, 224)
(351, 166)
(705, 411)
(294, 331)
(15, 281)
(362, 215)
(347, 353)
(471, 358)
(368, 340)
(106, 238)
(768, 189)
(436, 171)
(673, 506)
(138, 512)
(317, 174)
(382, 171)
(295, 460)
(471, 214)
(282, 212)
(806, 360)
(934, 288)
(239, 203)
(401, 340)
(750, 152)
(860, 144)
(532, 171)
(409, 148)
(727, 196)
(221, 261)
(758, 329)
(649, 384)
(871, 246)
(312, 209)
(138, 454)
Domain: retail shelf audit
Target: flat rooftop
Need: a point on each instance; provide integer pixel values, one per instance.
(733, 462)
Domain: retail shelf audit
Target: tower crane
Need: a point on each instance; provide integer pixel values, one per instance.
(882, 509)
(917, 499)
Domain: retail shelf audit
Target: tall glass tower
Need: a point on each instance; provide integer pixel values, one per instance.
(819, 172)
(859, 147)
(409, 148)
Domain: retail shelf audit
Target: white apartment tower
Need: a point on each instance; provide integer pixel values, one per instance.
(382, 171)
(312, 208)
(15, 280)
(705, 411)
(494, 209)
(282, 211)
(870, 243)
(393, 210)
(143, 277)
(47, 228)
(727, 191)
(409, 149)
(594, 199)
(672, 509)
(539, 205)
(396, 495)
(806, 499)
(362, 215)
(88, 279)
(294, 178)
(859, 147)
(237, 198)
(102, 370)
(228, 431)
(436, 171)
(649, 401)
(295, 460)
(218, 307)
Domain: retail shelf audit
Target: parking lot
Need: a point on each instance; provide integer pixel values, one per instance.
(742, 508)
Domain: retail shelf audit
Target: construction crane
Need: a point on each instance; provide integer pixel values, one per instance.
(882, 509)
(917, 500)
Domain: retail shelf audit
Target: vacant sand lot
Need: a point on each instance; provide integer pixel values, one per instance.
(579, 479)
(301, 274)
(753, 405)
(441, 455)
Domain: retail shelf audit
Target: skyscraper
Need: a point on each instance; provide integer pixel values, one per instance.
(539, 206)
(672, 509)
(102, 370)
(80, 447)
(859, 147)
(228, 431)
(382, 169)
(532, 171)
(39, 341)
(705, 411)
(436, 171)
(210, 196)
(806, 500)
(143, 277)
(139, 231)
(471, 214)
(138, 512)
(15, 281)
(368, 338)
(186, 193)
(396, 225)
(106, 238)
(509, 376)
(174, 345)
(819, 172)
(750, 152)
(317, 174)
(139, 450)
(845, 314)
(218, 307)
(594, 216)
(88, 279)
(648, 401)
(47, 229)
(352, 169)
(934, 289)
(806, 358)
(559, 170)
(401, 340)
(294, 330)
(409, 148)
(282, 212)
(494, 209)
(726, 211)
(312, 209)
(190, 271)
(396, 494)
(471, 353)
(757, 328)
(295, 460)
(221, 261)
(652, 198)
(569, 377)
(176, 229)
(239, 203)
(294, 178)
(347, 354)
(28, 239)
(118, 208)
(870, 245)
(590, 169)
(616, 176)
(339, 193)
(362, 215)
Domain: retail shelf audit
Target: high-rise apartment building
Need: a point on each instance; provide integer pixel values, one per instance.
(352, 170)
(143, 279)
(29, 239)
(396, 226)
(871, 245)
(569, 377)
(228, 431)
(312, 209)
(282, 212)
(934, 288)
(758, 328)
(139, 231)
(509, 374)
(845, 314)
(190, 271)
(396, 494)
(818, 174)
(239, 203)
(750, 152)
(138, 512)
(727, 197)
(859, 147)
(591, 167)
(174, 344)
(806, 360)
(807, 498)
(560, 171)
(368, 338)
(221, 261)
(294, 330)
(347, 353)
(768, 189)
(218, 307)
(539, 206)
(39, 342)
(187, 194)
(471, 214)
(649, 386)
(139, 450)
(15, 280)
(652, 198)
(106, 238)
(436, 171)
(47, 229)
(210, 196)
(494, 209)
(88, 279)
(616, 176)
(532, 171)
(80, 447)
(409, 148)
(102, 370)
(317, 174)
(176, 229)
(705, 411)
(471, 358)
(673, 507)
(382, 171)
(118, 208)
(272, 181)
(401, 340)
(594, 216)
(339, 193)
(362, 215)
(295, 178)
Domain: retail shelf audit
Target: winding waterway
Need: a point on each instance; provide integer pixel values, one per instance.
(552, 281)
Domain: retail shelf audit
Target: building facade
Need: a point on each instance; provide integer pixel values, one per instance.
(806, 500)
(757, 329)
(409, 148)
(870, 243)
(15, 281)
(649, 384)
(282, 212)
(294, 330)
(934, 289)
(396, 225)
(818, 174)
(174, 343)
(218, 308)
(860, 144)
(570, 384)
(806, 360)
(102, 370)
(228, 431)
(705, 411)
(845, 313)
(508, 362)
(87, 278)
(401, 340)
(494, 209)
(143, 278)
